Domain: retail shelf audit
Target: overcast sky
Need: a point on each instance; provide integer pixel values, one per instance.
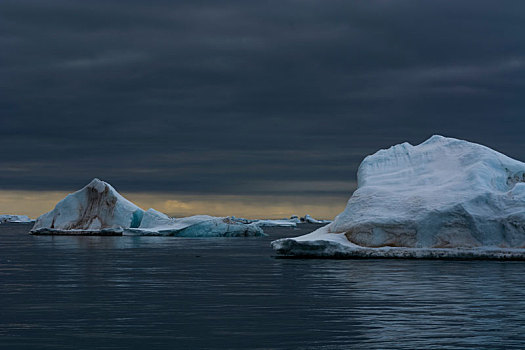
(281, 98)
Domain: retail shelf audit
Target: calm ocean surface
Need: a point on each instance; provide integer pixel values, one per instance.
(162, 292)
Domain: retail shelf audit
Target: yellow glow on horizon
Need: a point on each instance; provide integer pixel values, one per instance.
(35, 203)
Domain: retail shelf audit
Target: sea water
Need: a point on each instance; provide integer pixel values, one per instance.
(222, 293)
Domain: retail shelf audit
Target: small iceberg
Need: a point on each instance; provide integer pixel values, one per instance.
(444, 198)
(308, 219)
(98, 209)
(4, 219)
(155, 223)
(291, 222)
(276, 223)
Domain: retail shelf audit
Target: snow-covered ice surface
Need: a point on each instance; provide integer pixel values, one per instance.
(5, 218)
(444, 198)
(99, 209)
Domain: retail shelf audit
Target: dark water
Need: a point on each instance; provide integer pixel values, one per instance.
(154, 292)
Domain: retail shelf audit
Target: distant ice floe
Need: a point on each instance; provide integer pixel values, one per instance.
(275, 223)
(14, 219)
(98, 209)
(307, 218)
(291, 222)
(444, 198)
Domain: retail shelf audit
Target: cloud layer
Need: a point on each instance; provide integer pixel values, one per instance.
(248, 97)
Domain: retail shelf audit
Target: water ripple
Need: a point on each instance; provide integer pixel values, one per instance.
(137, 292)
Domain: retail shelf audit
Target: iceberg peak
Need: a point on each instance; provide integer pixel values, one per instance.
(438, 138)
(99, 185)
(96, 206)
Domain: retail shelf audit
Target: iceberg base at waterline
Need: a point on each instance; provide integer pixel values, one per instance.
(98, 209)
(198, 226)
(320, 244)
(444, 198)
(75, 232)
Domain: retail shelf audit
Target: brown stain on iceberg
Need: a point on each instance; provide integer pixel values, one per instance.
(401, 236)
(382, 236)
(100, 205)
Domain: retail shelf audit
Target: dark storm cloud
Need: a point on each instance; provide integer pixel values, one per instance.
(234, 96)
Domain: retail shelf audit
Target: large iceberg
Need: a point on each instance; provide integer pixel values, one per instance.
(98, 209)
(4, 218)
(443, 198)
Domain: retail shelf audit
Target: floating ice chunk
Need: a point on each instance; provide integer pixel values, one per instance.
(223, 227)
(307, 218)
(275, 223)
(295, 219)
(291, 222)
(14, 219)
(441, 197)
(197, 226)
(242, 220)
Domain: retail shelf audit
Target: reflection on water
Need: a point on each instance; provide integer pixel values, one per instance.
(166, 292)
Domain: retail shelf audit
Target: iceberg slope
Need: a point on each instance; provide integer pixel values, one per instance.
(444, 194)
(95, 207)
(158, 224)
(98, 209)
